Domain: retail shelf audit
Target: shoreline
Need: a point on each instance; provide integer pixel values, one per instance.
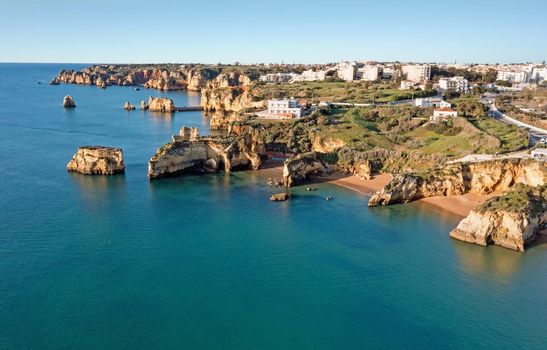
(460, 205)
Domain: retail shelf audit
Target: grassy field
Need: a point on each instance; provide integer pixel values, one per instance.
(407, 128)
(352, 92)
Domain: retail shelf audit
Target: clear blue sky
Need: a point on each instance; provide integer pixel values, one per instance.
(272, 31)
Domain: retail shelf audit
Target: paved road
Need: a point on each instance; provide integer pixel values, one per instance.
(535, 133)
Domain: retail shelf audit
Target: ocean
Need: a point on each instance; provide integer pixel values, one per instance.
(208, 262)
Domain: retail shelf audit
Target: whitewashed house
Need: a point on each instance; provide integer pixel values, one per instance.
(443, 114)
(284, 109)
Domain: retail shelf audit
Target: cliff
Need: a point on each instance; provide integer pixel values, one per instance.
(191, 153)
(97, 160)
(161, 77)
(229, 92)
(454, 179)
(512, 220)
(299, 168)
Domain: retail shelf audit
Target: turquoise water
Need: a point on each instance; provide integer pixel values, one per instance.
(209, 263)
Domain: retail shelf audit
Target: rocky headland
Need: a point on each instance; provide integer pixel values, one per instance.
(97, 160)
(190, 153)
(511, 220)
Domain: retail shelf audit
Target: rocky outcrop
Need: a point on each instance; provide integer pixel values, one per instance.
(229, 92)
(161, 104)
(298, 169)
(455, 179)
(55, 81)
(512, 220)
(187, 134)
(279, 197)
(97, 160)
(68, 102)
(128, 106)
(144, 106)
(205, 154)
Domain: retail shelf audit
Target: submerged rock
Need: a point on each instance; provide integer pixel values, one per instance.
(97, 160)
(68, 102)
(279, 197)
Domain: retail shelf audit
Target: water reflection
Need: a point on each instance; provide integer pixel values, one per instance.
(94, 185)
(477, 260)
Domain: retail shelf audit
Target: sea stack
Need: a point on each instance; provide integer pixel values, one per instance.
(68, 102)
(97, 160)
(128, 106)
(161, 104)
(144, 106)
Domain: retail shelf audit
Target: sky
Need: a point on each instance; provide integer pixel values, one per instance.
(274, 31)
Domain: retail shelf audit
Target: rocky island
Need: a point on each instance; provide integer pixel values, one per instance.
(97, 160)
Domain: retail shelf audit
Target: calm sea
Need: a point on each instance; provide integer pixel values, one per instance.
(209, 263)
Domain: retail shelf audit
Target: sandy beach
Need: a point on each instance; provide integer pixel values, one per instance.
(457, 205)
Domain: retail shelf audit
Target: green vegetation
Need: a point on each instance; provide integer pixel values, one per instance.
(337, 91)
(520, 199)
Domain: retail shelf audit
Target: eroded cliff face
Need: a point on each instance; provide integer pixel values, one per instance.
(173, 78)
(97, 160)
(512, 220)
(484, 178)
(298, 169)
(229, 92)
(161, 104)
(191, 153)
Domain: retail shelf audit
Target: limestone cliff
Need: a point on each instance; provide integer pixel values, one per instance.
(97, 160)
(299, 168)
(512, 220)
(205, 154)
(454, 179)
(161, 77)
(161, 104)
(229, 92)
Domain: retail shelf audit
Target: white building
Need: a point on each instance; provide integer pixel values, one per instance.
(443, 114)
(538, 74)
(370, 73)
(459, 84)
(417, 73)
(432, 102)
(346, 71)
(514, 77)
(310, 75)
(279, 77)
(285, 108)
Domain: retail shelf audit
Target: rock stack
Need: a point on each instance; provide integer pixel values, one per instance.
(68, 102)
(100, 160)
